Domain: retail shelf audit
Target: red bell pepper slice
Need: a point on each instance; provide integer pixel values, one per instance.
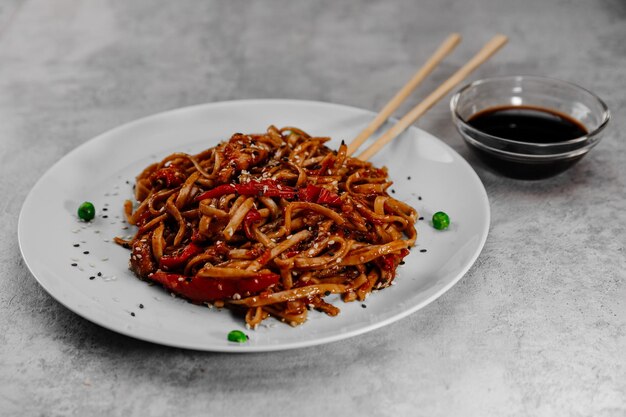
(201, 289)
(328, 197)
(173, 261)
(266, 188)
(309, 193)
(320, 195)
(252, 216)
(216, 192)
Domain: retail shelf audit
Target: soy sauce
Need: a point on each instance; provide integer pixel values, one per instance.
(527, 124)
(530, 125)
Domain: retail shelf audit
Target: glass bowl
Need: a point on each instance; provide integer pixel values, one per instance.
(529, 159)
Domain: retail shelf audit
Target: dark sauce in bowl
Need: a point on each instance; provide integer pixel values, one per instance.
(527, 124)
(531, 125)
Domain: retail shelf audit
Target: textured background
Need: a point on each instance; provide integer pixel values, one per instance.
(536, 328)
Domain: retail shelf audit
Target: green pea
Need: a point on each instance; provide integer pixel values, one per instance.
(237, 336)
(441, 220)
(86, 211)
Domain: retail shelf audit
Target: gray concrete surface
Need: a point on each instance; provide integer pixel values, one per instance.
(536, 328)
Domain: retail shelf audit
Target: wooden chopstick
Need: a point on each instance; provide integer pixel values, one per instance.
(483, 55)
(444, 49)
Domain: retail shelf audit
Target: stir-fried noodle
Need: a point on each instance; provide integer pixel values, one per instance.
(270, 224)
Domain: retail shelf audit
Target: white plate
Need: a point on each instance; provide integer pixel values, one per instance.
(427, 173)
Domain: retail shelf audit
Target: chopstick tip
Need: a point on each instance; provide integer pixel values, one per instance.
(501, 38)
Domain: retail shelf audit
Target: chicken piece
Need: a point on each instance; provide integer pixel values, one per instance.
(142, 262)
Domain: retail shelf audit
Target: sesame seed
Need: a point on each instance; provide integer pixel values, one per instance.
(363, 306)
(92, 277)
(422, 250)
(76, 245)
(74, 264)
(132, 314)
(86, 252)
(99, 274)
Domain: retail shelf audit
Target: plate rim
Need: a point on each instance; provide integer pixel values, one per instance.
(93, 318)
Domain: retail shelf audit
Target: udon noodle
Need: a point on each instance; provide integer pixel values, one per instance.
(269, 224)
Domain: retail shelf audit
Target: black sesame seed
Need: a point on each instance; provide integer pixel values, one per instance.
(74, 264)
(422, 250)
(327, 293)
(86, 252)
(408, 178)
(421, 218)
(99, 274)
(132, 314)
(92, 277)
(363, 306)
(105, 217)
(105, 209)
(76, 245)
(419, 198)
(140, 305)
(393, 191)
(402, 262)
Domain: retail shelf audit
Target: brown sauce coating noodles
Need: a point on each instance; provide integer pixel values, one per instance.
(270, 224)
